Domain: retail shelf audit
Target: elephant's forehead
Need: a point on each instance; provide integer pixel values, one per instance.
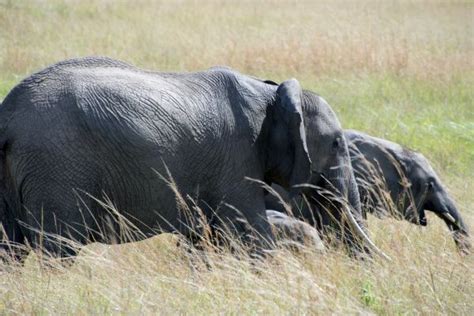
(322, 126)
(424, 165)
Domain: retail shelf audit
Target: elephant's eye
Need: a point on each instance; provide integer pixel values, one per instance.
(336, 143)
(430, 185)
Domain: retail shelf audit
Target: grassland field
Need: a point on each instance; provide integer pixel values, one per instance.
(402, 70)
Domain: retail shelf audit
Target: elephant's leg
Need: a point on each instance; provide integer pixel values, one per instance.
(59, 219)
(12, 240)
(12, 255)
(55, 241)
(12, 247)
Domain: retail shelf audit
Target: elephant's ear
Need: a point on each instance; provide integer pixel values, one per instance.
(289, 111)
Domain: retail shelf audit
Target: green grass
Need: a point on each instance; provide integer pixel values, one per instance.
(398, 70)
(436, 119)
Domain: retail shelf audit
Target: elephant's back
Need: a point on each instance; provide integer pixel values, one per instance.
(103, 91)
(108, 108)
(370, 145)
(77, 77)
(377, 163)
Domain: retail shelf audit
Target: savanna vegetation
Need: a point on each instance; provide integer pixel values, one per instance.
(399, 70)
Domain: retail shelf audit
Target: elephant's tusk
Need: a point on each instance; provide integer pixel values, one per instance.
(364, 235)
(449, 217)
(354, 223)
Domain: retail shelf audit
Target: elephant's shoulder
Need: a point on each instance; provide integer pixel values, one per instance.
(228, 72)
(222, 68)
(221, 74)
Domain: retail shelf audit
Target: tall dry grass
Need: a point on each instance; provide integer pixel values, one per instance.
(399, 69)
(303, 38)
(155, 277)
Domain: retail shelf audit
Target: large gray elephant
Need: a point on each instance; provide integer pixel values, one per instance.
(95, 129)
(382, 167)
(392, 180)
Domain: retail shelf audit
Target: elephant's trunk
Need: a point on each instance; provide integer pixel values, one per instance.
(456, 225)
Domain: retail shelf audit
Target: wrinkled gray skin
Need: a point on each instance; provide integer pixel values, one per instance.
(103, 128)
(382, 166)
(413, 184)
(293, 233)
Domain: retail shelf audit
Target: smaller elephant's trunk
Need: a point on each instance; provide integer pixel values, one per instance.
(456, 225)
(443, 206)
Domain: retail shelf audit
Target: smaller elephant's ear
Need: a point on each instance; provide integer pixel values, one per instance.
(289, 109)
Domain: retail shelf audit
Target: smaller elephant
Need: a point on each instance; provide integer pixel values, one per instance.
(393, 180)
(293, 233)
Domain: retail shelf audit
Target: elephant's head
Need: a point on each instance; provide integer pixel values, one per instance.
(430, 194)
(307, 146)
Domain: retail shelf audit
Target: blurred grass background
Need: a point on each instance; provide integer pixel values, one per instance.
(403, 70)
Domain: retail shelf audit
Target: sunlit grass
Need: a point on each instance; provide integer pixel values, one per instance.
(155, 276)
(400, 70)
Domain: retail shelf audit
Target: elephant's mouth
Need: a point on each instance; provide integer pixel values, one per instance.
(422, 218)
(417, 217)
